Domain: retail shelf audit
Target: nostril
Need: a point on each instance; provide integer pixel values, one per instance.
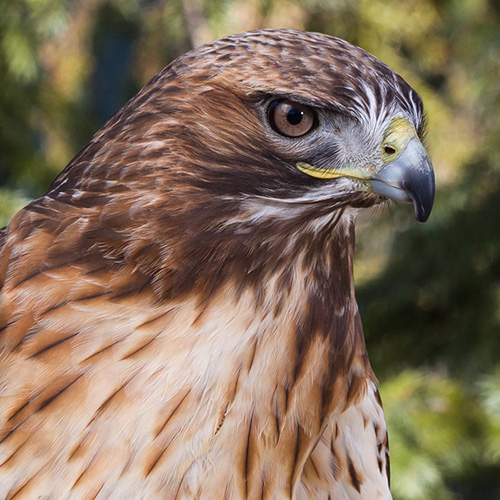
(389, 150)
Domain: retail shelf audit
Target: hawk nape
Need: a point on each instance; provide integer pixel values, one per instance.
(177, 315)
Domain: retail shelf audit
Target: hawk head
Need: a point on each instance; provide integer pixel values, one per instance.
(240, 153)
(271, 118)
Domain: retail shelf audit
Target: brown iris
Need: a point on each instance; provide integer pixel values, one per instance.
(291, 118)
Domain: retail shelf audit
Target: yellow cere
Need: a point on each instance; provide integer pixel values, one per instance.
(396, 138)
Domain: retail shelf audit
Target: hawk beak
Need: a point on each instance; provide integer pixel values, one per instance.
(409, 178)
(407, 174)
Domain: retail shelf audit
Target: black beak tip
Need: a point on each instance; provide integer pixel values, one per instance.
(421, 214)
(421, 190)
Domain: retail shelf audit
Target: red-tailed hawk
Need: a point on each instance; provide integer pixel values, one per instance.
(177, 315)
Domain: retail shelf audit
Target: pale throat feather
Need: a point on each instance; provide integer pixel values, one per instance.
(295, 360)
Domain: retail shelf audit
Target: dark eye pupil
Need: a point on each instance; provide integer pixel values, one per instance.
(294, 116)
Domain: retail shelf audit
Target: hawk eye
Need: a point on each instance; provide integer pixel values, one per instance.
(291, 119)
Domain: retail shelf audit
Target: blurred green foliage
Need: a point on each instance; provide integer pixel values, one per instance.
(429, 294)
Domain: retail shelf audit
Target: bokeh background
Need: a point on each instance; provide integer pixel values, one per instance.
(429, 294)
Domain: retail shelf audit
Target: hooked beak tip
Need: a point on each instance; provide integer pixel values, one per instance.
(420, 186)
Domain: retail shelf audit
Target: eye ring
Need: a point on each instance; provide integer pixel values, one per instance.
(291, 119)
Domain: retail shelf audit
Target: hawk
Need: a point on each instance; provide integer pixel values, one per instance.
(177, 313)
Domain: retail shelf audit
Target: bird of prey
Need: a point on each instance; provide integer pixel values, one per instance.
(177, 313)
